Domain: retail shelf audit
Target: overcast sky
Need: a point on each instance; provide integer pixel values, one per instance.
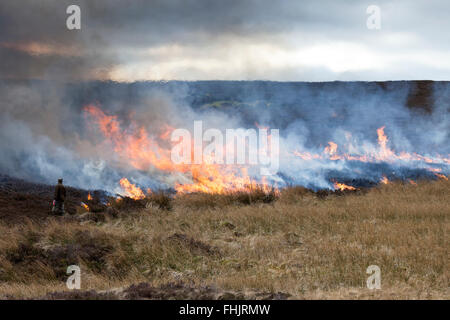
(283, 40)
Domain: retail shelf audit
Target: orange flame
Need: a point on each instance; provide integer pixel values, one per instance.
(384, 180)
(136, 147)
(384, 153)
(84, 205)
(89, 197)
(331, 150)
(210, 179)
(441, 176)
(131, 190)
(342, 186)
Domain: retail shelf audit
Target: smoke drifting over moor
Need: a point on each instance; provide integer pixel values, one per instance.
(95, 133)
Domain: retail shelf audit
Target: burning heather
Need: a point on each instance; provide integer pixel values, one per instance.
(137, 148)
(119, 138)
(382, 154)
(131, 190)
(342, 186)
(142, 151)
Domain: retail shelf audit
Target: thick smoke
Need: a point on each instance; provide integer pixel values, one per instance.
(46, 134)
(238, 40)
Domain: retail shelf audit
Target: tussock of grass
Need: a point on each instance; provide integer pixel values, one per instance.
(298, 243)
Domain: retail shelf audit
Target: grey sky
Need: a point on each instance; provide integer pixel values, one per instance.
(281, 40)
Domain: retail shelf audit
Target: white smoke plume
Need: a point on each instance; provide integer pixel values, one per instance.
(46, 133)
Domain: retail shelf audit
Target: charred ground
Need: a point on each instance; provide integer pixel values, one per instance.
(20, 199)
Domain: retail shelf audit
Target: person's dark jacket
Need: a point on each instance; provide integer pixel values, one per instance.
(60, 192)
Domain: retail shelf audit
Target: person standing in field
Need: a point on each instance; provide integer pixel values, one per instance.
(60, 197)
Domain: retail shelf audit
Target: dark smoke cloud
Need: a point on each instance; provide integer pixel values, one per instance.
(234, 39)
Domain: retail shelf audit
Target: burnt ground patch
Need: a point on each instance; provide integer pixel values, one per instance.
(20, 199)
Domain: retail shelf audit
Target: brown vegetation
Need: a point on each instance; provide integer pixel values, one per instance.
(298, 244)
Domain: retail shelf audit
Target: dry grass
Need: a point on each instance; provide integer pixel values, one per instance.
(308, 246)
